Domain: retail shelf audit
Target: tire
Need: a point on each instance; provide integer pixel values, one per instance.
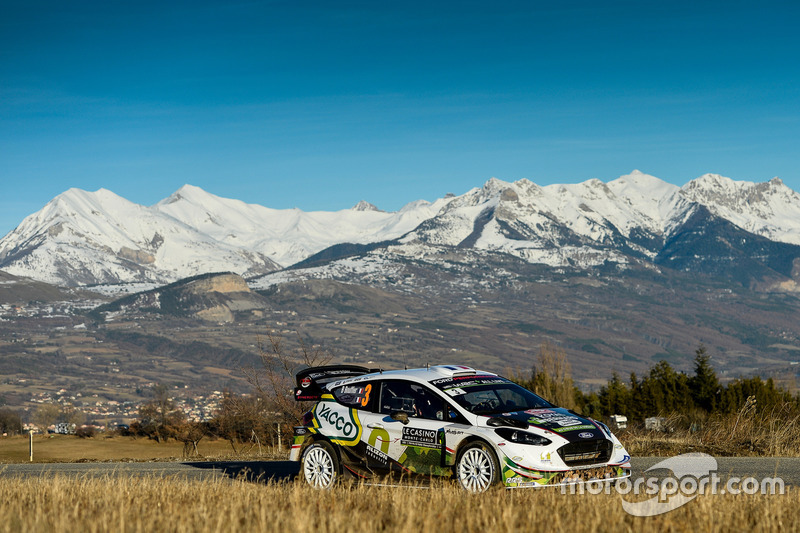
(477, 469)
(319, 465)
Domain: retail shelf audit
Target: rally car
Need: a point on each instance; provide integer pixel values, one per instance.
(453, 421)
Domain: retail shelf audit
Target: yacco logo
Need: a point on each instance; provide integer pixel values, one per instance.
(687, 470)
(344, 426)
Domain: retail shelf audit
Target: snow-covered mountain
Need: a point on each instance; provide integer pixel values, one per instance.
(592, 222)
(87, 238)
(744, 232)
(581, 224)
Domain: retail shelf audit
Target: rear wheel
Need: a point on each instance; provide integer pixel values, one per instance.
(476, 468)
(320, 465)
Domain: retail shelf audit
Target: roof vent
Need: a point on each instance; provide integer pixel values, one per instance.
(454, 370)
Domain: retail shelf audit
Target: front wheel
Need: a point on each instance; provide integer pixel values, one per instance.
(476, 468)
(320, 465)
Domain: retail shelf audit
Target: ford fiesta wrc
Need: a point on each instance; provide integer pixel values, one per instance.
(445, 421)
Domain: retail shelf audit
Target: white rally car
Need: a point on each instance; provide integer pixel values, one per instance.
(449, 421)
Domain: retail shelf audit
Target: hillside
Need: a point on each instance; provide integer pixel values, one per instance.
(215, 297)
(619, 275)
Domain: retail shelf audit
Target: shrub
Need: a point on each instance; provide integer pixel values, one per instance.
(86, 432)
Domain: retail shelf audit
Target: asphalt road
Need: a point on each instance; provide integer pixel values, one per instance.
(205, 470)
(787, 468)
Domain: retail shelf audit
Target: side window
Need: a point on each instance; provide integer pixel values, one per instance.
(358, 395)
(412, 398)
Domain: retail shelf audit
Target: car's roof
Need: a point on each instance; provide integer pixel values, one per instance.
(424, 375)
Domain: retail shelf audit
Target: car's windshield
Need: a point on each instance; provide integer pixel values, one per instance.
(492, 396)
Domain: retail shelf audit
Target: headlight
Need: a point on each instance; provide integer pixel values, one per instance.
(522, 437)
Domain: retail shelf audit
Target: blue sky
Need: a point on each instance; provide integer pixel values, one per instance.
(318, 105)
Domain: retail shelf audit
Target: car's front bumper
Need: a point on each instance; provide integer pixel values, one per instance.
(518, 476)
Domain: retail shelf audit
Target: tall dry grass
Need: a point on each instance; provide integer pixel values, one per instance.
(772, 433)
(134, 504)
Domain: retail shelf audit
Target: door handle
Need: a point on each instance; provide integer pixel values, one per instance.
(375, 426)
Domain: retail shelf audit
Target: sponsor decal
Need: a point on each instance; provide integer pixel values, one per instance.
(377, 455)
(354, 395)
(344, 425)
(468, 381)
(305, 382)
(572, 428)
(544, 457)
(546, 416)
(329, 373)
(586, 435)
(379, 434)
(455, 392)
(540, 412)
(426, 438)
(335, 384)
(302, 396)
(453, 431)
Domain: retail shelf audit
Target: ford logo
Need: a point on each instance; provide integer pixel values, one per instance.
(586, 435)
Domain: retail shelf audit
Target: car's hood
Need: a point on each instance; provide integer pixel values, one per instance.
(557, 420)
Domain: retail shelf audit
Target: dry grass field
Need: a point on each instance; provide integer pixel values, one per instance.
(70, 449)
(162, 504)
(121, 503)
(771, 434)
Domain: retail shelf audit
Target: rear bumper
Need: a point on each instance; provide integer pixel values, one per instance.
(300, 435)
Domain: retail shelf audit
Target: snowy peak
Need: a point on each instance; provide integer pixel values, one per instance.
(769, 209)
(640, 186)
(365, 206)
(191, 194)
(86, 203)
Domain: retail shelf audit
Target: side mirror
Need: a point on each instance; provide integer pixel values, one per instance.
(400, 416)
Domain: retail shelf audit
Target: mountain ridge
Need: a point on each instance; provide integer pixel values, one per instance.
(87, 238)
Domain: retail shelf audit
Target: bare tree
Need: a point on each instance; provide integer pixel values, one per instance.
(72, 415)
(241, 419)
(46, 415)
(190, 434)
(551, 377)
(274, 382)
(10, 422)
(159, 418)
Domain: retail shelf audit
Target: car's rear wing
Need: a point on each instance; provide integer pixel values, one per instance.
(310, 381)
